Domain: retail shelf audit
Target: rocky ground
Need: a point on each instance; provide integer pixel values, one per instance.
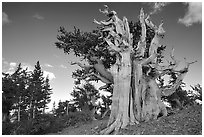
(183, 122)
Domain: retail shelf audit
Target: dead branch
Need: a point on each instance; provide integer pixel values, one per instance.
(105, 11)
(86, 67)
(112, 46)
(181, 74)
(149, 23)
(118, 31)
(155, 41)
(149, 59)
(142, 22)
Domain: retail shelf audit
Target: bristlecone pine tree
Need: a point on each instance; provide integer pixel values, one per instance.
(128, 56)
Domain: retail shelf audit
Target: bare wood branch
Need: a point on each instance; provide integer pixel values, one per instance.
(118, 30)
(189, 63)
(112, 46)
(175, 62)
(142, 22)
(99, 67)
(178, 82)
(105, 11)
(170, 91)
(142, 43)
(149, 23)
(149, 59)
(155, 41)
(119, 26)
(127, 30)
(82, 65)
(104, 87)
(141, 48)
(103, 79)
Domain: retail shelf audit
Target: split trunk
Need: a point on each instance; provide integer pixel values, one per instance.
(135, 97)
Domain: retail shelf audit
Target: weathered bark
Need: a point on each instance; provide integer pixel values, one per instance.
(152, 105)
(121, 111)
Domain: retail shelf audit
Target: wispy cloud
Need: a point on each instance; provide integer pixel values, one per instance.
(63, 66)
(13, 64)
(5, 18)
(48, 65)
(157, 6)
(38, 16)
(193, 14)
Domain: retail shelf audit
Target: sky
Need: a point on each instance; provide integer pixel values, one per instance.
(29, 31)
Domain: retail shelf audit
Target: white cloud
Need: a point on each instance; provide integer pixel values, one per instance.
(50, 75)
(193, 14)
(13, 64)
(157, 6)
(12, 67)
(48, 65)
(63, 66)
(39, 17)
(5, 19)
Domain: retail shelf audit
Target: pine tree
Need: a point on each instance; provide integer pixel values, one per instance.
(35, 91)
(83, 95)
(47, 91)
(8, 98)
(14, 91)
(25, 93)
(195, 94)
(61, 109)
(85, 98)
(20, 77)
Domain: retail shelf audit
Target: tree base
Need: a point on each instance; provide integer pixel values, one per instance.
(119, 123)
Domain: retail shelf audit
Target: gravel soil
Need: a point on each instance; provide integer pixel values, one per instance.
(187, 121)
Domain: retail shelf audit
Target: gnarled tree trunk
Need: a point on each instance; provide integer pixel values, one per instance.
(120, 109)
(136, 95)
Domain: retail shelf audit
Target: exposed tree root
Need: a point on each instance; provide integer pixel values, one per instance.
(114, 127)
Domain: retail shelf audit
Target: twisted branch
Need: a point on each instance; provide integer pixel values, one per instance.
(181, 74)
